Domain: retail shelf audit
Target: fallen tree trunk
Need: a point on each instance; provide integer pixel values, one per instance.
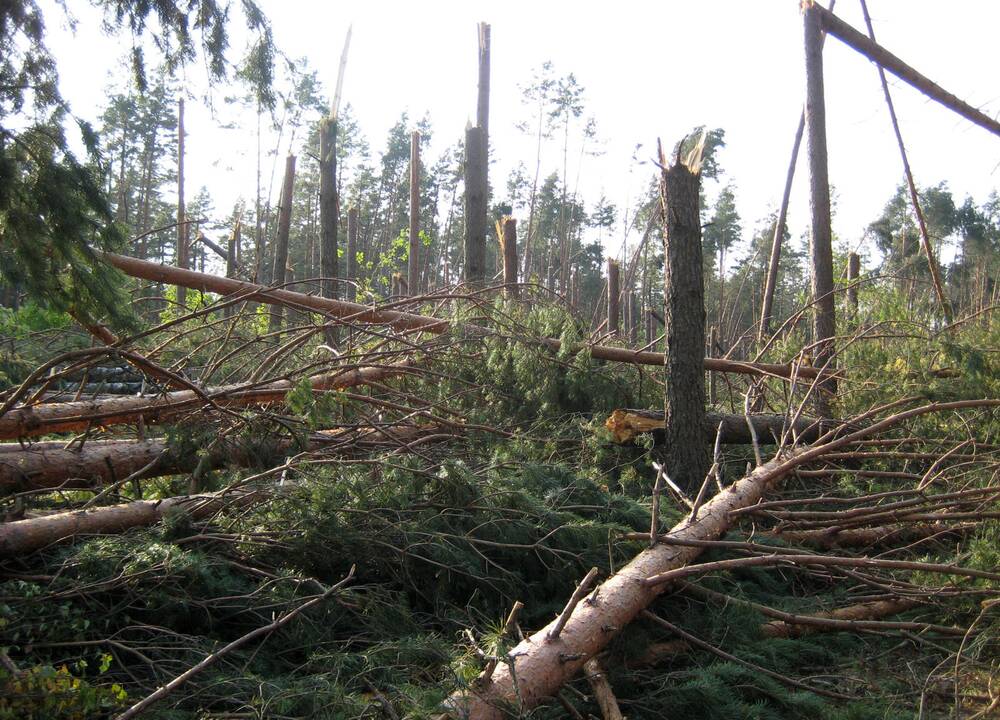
(625, 424)
(50, 466)
(542, 664)
(403, 321)
(22, 537)
(834, 537)
(78, 416)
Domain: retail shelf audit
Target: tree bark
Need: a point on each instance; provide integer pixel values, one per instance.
(182, 227)
(352, 254)
(853, 271)
(509, 238)
(280, 273)
(821, 241)
(614, 297)
(76, 416)
(475, 207)
(328, 214)
(686, 454)
(413, 261)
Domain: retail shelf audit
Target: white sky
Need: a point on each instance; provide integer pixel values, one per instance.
(650, 69)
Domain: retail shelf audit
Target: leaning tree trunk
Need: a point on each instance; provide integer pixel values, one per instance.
(686, 454)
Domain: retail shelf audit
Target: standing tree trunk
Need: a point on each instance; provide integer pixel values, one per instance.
(328, 211)
(232, 260)
(483, 97)
(853, 270)
(509, 240)
(280, 272)
(182, 228)
(352, 254)
(475, 207)
(413, 262)
(686, 454)
(821, 245)
(614, 296)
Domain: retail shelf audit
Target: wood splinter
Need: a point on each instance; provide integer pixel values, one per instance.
(578, 594)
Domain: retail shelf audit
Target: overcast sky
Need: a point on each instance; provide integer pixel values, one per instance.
(649, 69)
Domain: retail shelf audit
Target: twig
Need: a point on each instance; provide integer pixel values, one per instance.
(165, 690)
(578, 594)
(508, 627)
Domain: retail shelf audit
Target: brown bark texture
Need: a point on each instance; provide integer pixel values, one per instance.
(820, 237)
(413, 261)
(685, 451)
(475, 206)
(280, 273)
(329, 210)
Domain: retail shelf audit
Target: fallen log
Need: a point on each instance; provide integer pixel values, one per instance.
(835, 537)
(22, 537)
(625, 424)
(404, 321)
(540, 665)
(77, 416)
(50, 466)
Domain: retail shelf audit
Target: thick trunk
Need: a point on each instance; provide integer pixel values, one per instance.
(328, 214)
(77, 416)
(686, 452)
(821, 241)
(475, 206)
(509, 239)
(614, 297)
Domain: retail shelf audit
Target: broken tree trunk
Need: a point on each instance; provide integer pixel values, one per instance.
(403, 321)
(48, 466)
(626, 424)
(614, 296)
(280, 273)
(181, 251)
(352, 254)
(328, 211)
(413, 261)
(78, 416)
(543, 665)
(508, 239)
(820, 237)
(685, 453)
(475, 206)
